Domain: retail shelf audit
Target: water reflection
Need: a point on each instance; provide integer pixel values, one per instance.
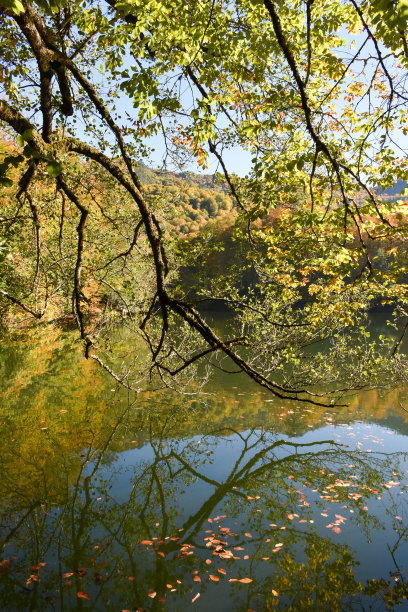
(153, 527)
(148, 502)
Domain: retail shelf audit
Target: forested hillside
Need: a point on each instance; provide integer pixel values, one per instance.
(190, 199)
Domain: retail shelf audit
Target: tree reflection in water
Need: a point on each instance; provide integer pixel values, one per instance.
(181, 514)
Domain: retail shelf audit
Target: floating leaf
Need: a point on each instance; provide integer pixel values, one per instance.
(152, 594)
(195, 598)
(83, 595)
(214, 578)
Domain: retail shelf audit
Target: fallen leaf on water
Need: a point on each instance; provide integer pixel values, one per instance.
(243, 580)
(336, 529)
(152, 594)
(248, 535)
(147, 542)
(67, 574)
(214, 578)
(195, 598)
(208, 561)
(197, 579)
(83, 595)
(222, 571)
(275, 593)
(169, 586)
(161, 554)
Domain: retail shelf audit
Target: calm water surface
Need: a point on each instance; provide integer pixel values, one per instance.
(225, 501)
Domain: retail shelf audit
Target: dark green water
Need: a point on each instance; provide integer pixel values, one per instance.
(222, 501)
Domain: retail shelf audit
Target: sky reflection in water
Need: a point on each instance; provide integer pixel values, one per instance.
(231, 500)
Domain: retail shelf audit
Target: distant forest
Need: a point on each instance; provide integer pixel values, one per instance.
(194, 199)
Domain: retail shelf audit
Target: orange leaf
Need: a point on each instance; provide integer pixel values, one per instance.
(222, 571)
(147, 542)
(197, 579)
(83, 595)
(152, 594)
(245, 580)
(195, 598)
(214, 578)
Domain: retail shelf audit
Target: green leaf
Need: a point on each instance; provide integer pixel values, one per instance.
(14, 5)
(27, 135)
(54, 169)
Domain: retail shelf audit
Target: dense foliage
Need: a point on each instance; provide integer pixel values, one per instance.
(315, 91)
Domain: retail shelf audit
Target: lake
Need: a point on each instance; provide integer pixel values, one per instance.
(223, 500)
